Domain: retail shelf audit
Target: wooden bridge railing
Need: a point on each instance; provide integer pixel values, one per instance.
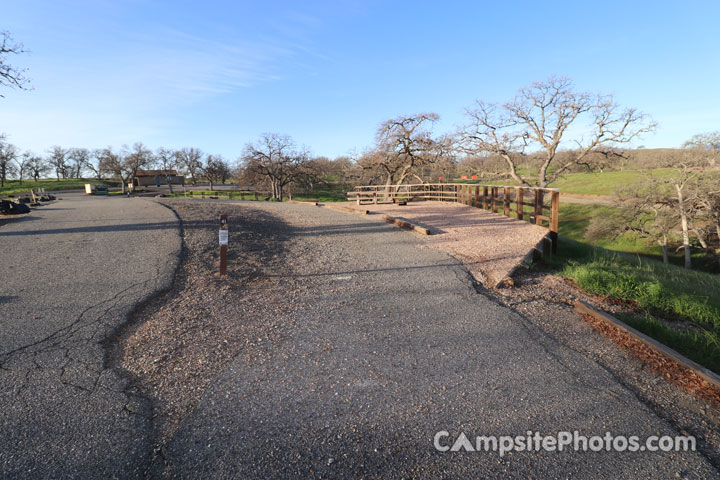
(537, 205)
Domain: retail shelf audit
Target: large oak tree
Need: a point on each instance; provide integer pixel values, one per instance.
(549, 117)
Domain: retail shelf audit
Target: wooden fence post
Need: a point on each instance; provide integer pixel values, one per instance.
(494, 199)
(485, 194)
(554, 220)
(519, 202)
(538, 206)
(506, 202)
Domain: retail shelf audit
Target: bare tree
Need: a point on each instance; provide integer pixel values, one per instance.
(402, 147)
(539, 117)
(80, 158)
(136, 158)
(9, 75)
(23, 164)
(8, 154)
(707, 197)
(642, 209)
(190, 159)
(167, 160)
(276, 159)
(38, 166)
(215, 169)
(58, 159)
(707, 144)
(93, 163)
(114, 165)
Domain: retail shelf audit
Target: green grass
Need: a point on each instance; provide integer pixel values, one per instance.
(601, 183)
(324, 194)
(575, 218)
(14, 187)
(226, 194)
(701, 346)
(586, 183)
(663, 290)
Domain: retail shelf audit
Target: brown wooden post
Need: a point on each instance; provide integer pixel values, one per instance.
(477, 196)
(506, 201)
(519, 202)
(485, 194)
(554, 220)
(538, 206)
(494, 199)
(223, 244)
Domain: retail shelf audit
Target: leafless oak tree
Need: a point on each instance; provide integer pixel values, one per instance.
(540, 116)
(23, 163)
(8, 154)
(80, 159)
(190, 159)
(58, 160)
(37, 167)
(215, 169)
(402, 147)
(167, 160)
(10, 76)
(125, 164)
(136, 158)
(708, 145)
(643, 209)
(275, 158)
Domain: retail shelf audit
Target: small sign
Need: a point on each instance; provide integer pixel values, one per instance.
(224, 237)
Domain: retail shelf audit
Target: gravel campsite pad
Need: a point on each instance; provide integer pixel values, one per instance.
(337, 346)
(491, 245)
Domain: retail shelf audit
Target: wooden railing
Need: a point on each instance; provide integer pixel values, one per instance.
(537, 205)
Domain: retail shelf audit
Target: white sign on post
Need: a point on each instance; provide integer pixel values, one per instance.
(224, 237)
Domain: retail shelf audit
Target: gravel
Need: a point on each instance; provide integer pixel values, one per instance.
(490, 245)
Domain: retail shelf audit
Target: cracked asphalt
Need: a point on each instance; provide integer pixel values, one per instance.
(71, 272)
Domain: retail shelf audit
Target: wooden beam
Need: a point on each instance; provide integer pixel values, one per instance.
(506, 201)
(519, 202)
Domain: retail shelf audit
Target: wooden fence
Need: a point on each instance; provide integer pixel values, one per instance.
(537, 205)
(229, 194)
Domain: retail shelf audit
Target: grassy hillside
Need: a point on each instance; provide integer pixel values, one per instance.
(679, 307)
(14, 187)
(590, 183)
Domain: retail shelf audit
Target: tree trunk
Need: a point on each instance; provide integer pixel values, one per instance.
(513, 171)
(664, 245)
(684, 224)
(211, 185)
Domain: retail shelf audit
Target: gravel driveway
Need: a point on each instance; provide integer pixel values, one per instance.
(337, 348)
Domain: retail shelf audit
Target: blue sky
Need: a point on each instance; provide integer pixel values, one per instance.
(215, 75)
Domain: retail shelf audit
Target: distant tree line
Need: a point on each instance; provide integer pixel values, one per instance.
(544, 132)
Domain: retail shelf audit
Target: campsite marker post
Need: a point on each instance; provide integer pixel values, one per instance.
(223, 244)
